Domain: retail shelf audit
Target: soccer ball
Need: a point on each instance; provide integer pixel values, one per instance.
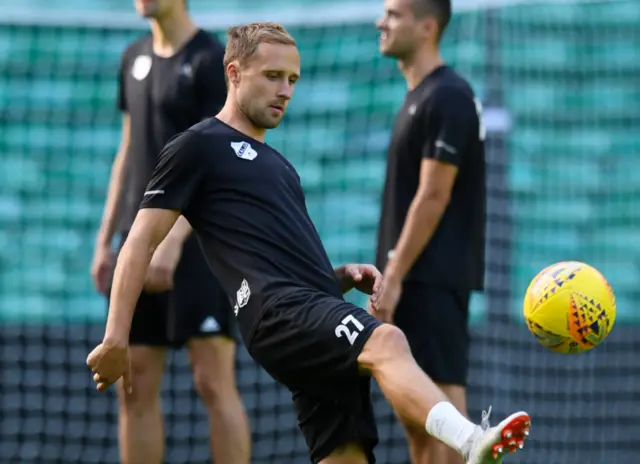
(570, 307)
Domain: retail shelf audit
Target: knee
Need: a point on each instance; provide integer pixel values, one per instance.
(147, 368)
(144, 395)
(386, 344)
(213, 364)
(214, 390)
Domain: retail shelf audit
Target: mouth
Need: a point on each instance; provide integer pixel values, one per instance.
(278, 109)
(383, 35)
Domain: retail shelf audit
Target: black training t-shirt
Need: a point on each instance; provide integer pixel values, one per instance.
(165, 96)
(246, 205)
(439, 120)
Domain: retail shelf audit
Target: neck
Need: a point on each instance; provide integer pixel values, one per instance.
(232, 115)
(171, 32)
(421, 64)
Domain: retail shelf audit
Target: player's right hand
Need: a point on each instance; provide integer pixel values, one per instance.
(384, 301)
(104, 259)
(108, 362)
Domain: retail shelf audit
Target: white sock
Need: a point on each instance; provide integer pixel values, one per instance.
(449, 426)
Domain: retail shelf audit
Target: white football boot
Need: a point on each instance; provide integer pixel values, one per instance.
(489, 445)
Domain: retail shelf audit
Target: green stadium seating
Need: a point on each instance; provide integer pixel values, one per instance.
(568, 144)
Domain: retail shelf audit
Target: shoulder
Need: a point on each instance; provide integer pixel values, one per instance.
(208, 135)
(453, 95)
(450, 92)
(137, 47)
(188, 143)
(207, 45)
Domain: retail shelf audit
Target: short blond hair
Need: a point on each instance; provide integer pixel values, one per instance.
(245, 39)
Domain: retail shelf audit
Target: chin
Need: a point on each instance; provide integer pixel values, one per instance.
(272, 124)
(385, 49)
(148, 13)
(264, 123)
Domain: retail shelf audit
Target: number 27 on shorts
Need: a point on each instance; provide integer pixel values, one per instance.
(344, 328)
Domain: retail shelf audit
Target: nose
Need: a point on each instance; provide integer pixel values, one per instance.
(380, 23)
(286, 90)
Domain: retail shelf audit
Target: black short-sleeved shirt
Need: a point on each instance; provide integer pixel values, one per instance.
(165, 96)
(439, 120)
(246, 205)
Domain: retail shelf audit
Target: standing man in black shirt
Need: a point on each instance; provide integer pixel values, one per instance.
(246, 205)
(169, 80)
(432, 226)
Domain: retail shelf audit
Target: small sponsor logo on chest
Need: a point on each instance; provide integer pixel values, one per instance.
(244, 151)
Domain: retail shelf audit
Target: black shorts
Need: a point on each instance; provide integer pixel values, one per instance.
(313, 350)
(197, 307)
(435, 322)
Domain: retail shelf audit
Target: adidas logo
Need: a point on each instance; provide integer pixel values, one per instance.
(209, 325)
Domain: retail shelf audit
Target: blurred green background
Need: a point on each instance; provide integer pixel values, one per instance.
(569, 79)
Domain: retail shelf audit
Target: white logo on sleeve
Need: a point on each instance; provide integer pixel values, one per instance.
(209, 325)
(243, 150)
(153, 192)
(141, 67)
(242, 296)
(446, 146)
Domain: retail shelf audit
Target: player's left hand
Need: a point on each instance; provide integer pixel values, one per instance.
(109, 361)
(385, 300)
(162, 267)
(364, 277)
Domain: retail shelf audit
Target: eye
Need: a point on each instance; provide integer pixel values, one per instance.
(272, 76)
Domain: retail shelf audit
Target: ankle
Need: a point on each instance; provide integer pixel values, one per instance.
(447, 424)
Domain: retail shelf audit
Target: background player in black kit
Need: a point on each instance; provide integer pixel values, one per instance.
(246, 205)
(431, 234)
(170, 80)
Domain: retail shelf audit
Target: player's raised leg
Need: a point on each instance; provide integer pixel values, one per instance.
(417, 400)
(213, 361)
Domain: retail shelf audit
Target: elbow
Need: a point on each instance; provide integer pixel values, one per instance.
(138, 244)
(435, 198)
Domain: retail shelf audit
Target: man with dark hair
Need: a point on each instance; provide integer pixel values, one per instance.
(245, 203)
(169, 80)
(432, 224)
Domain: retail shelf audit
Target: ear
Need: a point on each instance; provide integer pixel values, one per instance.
(430, 28)
(233, 73)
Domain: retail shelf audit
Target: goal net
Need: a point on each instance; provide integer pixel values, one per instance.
(560, 85)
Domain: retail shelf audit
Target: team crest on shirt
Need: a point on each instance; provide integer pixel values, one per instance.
(186, 71)
(243, 150)
(242, 296)
(141, 67)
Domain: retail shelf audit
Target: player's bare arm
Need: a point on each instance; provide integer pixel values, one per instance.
(109, 360)
(426, 210)
(147, 232)
(166, 258)
(104, 256)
